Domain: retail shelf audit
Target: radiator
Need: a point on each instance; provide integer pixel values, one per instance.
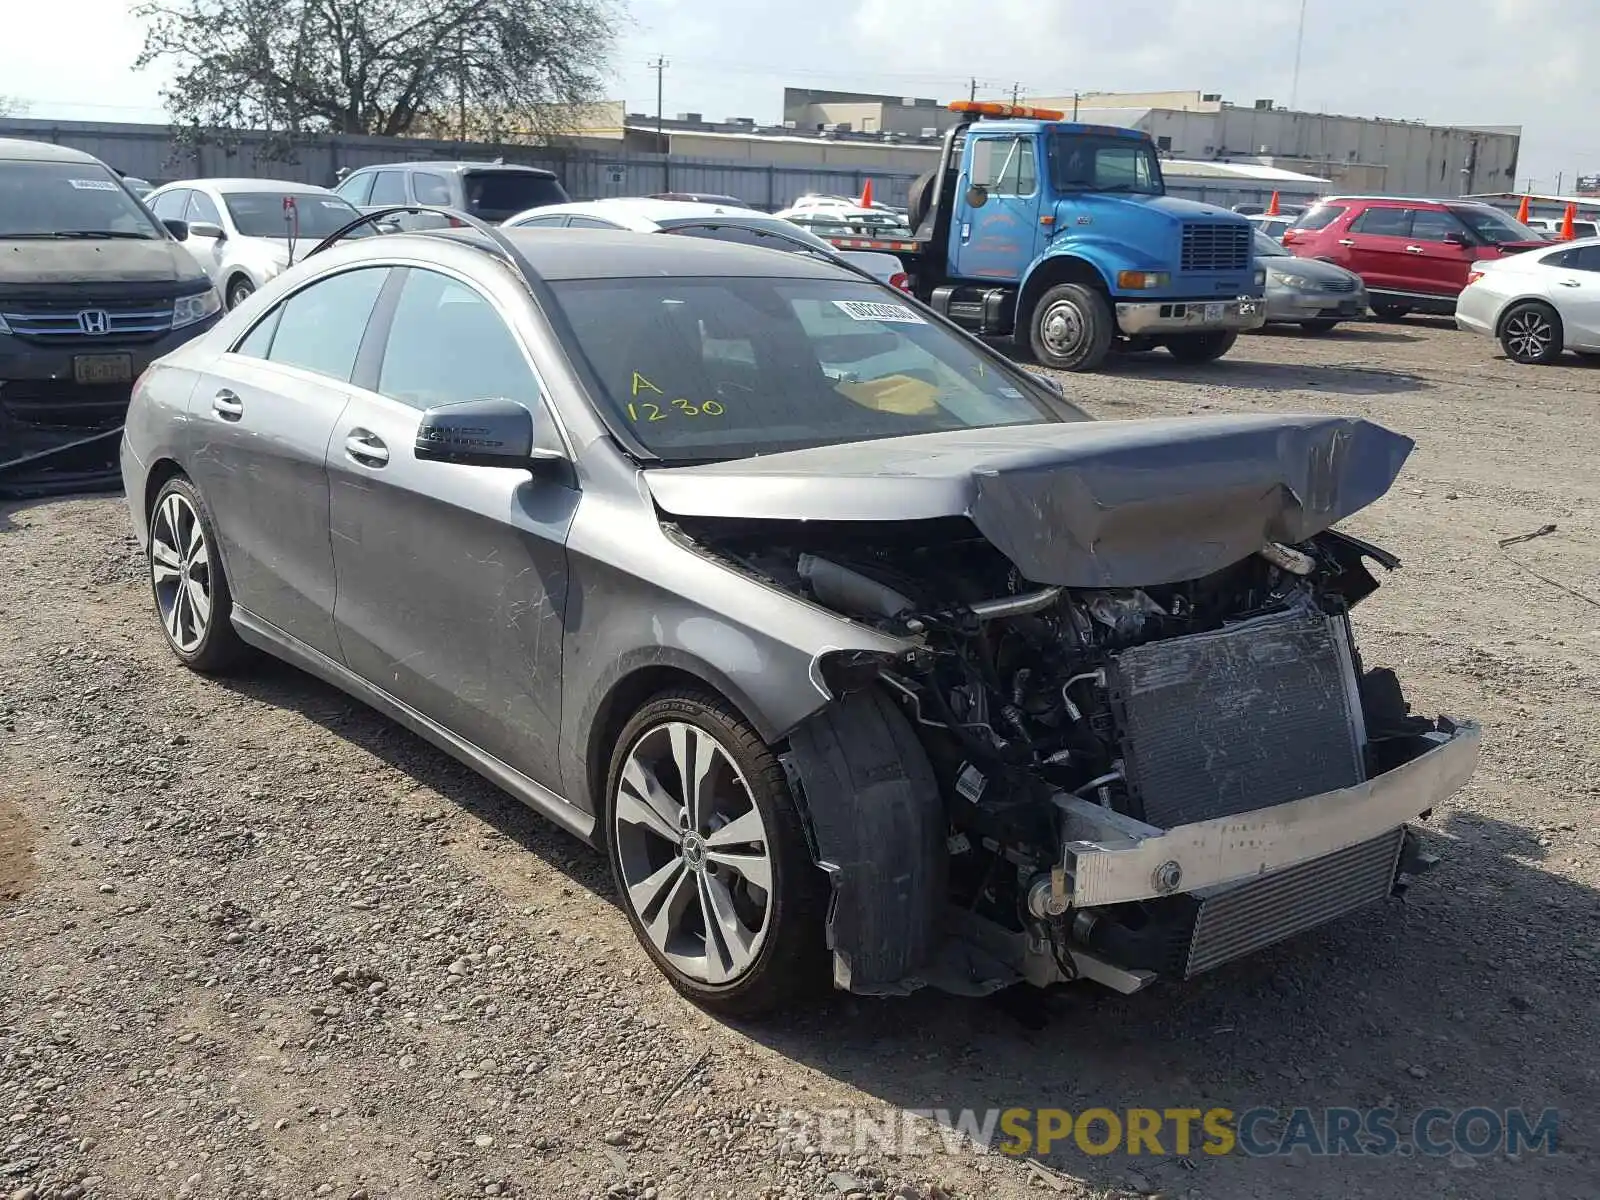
(1245, 717)
(1239, 919)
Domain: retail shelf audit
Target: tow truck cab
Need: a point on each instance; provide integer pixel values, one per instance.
(1062, 235)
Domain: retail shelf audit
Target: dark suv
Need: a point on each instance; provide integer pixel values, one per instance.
(92, 289)
(489, 191)
(1412, 254)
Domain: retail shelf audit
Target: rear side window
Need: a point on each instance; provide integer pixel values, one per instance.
(357, 188)
(389, 188)
(496, 195)
(430, 188)
(1384, 222)
(322, 325)
(1319, 217)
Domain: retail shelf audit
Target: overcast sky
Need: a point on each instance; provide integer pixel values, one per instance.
(1503, 62)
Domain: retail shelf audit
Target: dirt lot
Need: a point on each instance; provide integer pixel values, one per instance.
(255, 941)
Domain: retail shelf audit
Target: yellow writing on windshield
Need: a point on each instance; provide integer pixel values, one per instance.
(641, 384)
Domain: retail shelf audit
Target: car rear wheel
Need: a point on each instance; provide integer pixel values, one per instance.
(710, 857)
(1531, 333)
(1071, 327)
(239, 290)
(1201, 347)
(1321, 325)
(188, 583)
(1391, 312)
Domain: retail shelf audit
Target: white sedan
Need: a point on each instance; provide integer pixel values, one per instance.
(647, 215)
(243, 232)
(1537, 303)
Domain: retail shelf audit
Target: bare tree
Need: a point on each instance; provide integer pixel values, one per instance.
(12, 106)
(389, 67)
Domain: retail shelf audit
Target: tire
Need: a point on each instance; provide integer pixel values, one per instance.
(1390, 312)
(1071, 327)
(773, 951)
(1530, 333)
(918, 199)
(187, 582)
(1201, 347)
(240, 289)
(1321, 325)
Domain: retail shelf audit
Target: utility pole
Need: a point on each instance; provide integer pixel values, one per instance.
(1299, 41)
(1560, 178)
(1016, 93)
(660, 68)
(972, 92)
(1074, 106)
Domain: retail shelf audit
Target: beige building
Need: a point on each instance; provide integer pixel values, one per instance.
(1358, 154)
(812, 110)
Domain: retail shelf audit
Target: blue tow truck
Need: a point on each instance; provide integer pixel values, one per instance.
(1062, 235)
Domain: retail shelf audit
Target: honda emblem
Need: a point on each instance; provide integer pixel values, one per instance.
(95, 322)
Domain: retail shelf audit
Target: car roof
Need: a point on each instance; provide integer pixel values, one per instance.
(23, 150)
(647, 210)
(245, 185)
(560, 254)
(455, 167)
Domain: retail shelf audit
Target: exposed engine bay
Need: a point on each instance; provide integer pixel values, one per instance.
(1048, 711)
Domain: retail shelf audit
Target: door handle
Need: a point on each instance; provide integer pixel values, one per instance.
(1569, 283)
(1347, 241)
(1415, 250)
(366, 448)
(227, 405)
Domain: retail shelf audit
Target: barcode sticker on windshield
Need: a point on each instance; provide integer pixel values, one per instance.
(93, 185)
(869, 310)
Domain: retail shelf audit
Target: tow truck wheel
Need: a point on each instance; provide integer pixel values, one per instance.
(1201, 347)
(1070, 328)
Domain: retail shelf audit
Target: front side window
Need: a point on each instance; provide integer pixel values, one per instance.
(1384, 222)
(322, 325)
(728, 368)
(1005, 165)
(447, 344)
(357, 188)
(69, 200)
(202, 208)
(1495, 227)
(169, 206)
(1100, 163)
(265, 214)
(389, 188)
(1431, 225)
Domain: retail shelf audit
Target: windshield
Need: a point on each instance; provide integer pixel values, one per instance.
(1267, 248)
(704, 369)
(263, 214)
(496, 195)
(1100, 163)
(68, 200)
(1495, 227)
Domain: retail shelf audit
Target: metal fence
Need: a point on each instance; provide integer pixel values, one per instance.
(150, 152)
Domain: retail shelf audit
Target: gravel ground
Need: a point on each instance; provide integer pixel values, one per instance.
(257, 942)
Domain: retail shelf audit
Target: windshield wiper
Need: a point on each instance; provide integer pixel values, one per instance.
(99, 234)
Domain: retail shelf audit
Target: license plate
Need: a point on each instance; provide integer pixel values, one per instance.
(102, 368)
(1213, 312)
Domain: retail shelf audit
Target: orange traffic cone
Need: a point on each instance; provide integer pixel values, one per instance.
(1567, 231)
(1522, 211)
(866, 195)
(1272, 206)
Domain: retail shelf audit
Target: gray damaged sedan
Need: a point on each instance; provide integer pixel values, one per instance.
(860, 651)
(1308, 292)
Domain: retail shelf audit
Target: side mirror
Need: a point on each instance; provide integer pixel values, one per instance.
(977, 196)
(477, 433)
(1458, 239)
(178, 229)
(206, 229)
(388, 226)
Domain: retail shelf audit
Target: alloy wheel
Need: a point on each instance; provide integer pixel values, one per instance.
(180, 570)
(1528, 334)
(694, 852)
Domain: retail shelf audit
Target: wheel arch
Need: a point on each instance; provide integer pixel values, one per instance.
(161, 471)
(1511, 305)
(1052, 270)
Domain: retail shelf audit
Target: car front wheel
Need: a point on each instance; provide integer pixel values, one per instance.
(188, 583)
(240, 290)
(710, 857)
(1531, 333)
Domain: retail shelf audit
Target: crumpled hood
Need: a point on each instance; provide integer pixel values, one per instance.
(1080, 504)
(46, 261)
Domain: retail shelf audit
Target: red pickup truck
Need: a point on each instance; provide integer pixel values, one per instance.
(1414, 255)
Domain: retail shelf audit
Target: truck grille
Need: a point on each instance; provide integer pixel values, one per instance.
(72, 322)
(1244, 717)
(1241, 918)
(1215, 246)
